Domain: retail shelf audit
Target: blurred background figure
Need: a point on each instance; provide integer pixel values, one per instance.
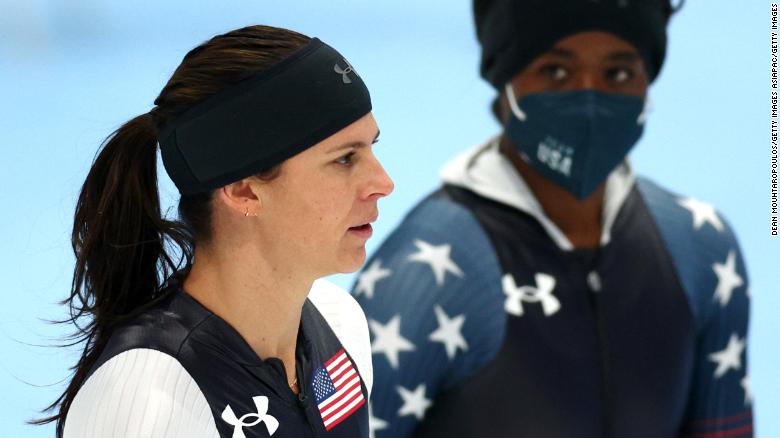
(546, 289)
(71, 72)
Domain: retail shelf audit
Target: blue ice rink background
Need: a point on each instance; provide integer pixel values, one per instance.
(71, 72)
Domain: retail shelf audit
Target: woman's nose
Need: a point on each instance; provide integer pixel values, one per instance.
(380, 184)
(586, 81)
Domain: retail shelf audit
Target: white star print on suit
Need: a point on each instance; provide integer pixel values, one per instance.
(438, 257)
(745, 384)
(374, 423)
(730, 357)
(388, 339)
(415, 402)
(367, 280)
(541, 293)
(702, 213)
(449, 333)
(728, 279)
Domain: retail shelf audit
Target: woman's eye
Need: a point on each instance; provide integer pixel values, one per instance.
(555, 72)
(620, 75)
(347, 159)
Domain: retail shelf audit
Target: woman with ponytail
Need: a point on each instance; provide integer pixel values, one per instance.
(210, 326)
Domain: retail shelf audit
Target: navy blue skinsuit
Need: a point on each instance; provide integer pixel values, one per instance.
(636, 339)
(229, 373)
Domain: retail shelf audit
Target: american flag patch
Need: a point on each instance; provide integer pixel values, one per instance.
(337, 388)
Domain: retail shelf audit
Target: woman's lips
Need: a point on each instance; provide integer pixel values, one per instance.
(363, 231)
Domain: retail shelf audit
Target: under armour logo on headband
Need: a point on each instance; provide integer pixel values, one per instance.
(261, 416)
(344, 72)
(541, 293)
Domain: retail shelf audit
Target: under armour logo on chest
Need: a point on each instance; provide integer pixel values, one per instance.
(251, 419)
(344, 71)
(541, 293)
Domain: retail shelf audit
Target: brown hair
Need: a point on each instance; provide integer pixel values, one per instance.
(125, 249)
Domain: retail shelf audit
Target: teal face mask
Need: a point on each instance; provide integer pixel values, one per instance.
(575, 138)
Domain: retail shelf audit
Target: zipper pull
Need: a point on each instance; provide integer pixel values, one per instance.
(594, 281)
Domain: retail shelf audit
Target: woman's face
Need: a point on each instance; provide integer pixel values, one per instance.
(586, 60)
(320, 206)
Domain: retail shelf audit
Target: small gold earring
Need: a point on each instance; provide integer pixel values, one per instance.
(246, 213)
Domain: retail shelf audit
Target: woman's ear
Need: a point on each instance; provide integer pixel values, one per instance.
(244, 197)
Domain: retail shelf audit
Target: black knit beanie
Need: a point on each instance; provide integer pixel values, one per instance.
(514, 32)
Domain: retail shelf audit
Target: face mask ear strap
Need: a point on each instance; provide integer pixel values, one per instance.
(510, 96)
(648, 108)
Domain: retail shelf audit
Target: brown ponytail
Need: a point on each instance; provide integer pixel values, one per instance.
(119, 240)
(125, 250)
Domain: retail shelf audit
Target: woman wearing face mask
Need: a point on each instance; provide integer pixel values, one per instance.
(267, 135)
(546, 290)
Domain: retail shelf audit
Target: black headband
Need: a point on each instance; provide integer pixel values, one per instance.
(514, 32)
(260, 122)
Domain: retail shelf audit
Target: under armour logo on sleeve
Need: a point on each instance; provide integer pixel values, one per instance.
(541, 293)
(344, 71)
(261, 416)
